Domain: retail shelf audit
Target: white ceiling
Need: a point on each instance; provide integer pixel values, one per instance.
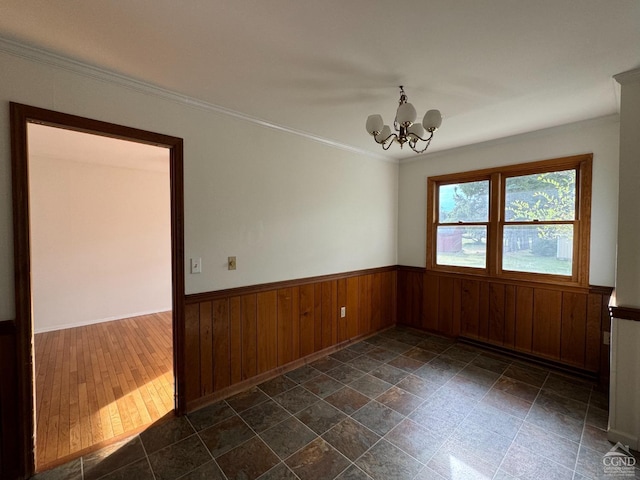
(493, 67)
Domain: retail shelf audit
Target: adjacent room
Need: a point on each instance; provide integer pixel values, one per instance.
(330, 241)
(101, 289)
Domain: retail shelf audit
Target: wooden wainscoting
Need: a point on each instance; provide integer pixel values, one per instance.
(10, 454)
(564, 325)
(236, 335)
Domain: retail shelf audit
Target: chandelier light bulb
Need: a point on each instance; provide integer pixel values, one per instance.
(405, 128)
(374, 124)
(432, 120)
(406, 114)
(384, 134)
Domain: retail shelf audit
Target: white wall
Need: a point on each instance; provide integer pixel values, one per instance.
(286, 206)
(100, 241)
(599, 137)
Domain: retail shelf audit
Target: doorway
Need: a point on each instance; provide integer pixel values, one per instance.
(22, 118)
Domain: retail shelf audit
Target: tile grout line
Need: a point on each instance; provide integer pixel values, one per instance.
(205, 445)
(146, 456)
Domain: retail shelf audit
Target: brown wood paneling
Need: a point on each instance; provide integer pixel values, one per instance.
(428, 314)
(285, 326)
(221, 345)
(457, 306)
(206, 349)
(343, 330)
(295, 317)
(509, 316)
(445, 305)
(248, 319)
(483, 310)
(235, 343)
(496, 313)
(376, 303)
(267, 324)
(416, 293)
(386, 296)
(364, 287)
(307, 320)
(317, 317)
(328, 315)
(192, 351)
(547, 317)
(574, 328)
(524, 319)
(593, 336)
(353, 307)
(469, 306)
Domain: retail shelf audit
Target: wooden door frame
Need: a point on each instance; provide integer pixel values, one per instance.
(21, 116)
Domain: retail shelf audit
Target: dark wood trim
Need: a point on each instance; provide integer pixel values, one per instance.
(625, 313)
(21, 115)
(408, 268)
(7, 327)
(263, 287)
(603, 290)
(531, 358)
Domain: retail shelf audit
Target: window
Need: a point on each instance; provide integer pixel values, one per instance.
(528, 222)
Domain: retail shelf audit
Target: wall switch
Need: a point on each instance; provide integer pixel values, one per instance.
(196, 265)
(231, 263)
(606, 338)
(343, 312)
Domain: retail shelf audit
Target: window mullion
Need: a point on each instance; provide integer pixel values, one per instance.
(494, 252)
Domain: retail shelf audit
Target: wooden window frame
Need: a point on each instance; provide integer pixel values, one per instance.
(497, 183)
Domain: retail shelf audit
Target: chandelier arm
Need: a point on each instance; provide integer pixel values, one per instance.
(425, 147)
(385, 141)
(428, 139)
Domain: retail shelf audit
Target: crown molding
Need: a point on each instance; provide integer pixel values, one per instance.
(48, 58)
(630, 76)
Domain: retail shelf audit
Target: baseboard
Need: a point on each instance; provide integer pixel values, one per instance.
(623, 437)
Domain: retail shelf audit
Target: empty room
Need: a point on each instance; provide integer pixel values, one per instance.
(343, 240)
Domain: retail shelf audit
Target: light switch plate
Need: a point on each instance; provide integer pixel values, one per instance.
(196, 265)
(231, 263)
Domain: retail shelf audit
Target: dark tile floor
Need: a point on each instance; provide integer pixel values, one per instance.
(400, 405)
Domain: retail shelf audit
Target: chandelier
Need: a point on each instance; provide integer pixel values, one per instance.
(406, 131)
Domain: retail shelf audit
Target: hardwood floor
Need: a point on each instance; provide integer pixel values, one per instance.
(100, 382)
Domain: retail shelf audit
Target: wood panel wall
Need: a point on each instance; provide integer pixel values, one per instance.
(564, 325)
(9, 419)
(236, 335)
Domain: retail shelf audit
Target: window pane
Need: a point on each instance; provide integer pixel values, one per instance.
(538, 249)
(462, 246)
(544, 196)
(464, 202)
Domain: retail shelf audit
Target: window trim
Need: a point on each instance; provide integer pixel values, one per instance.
(583, 165)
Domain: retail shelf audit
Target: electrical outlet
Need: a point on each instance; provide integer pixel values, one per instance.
(343, 312)
(231, 263)
(196, 265)
(606, 338)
